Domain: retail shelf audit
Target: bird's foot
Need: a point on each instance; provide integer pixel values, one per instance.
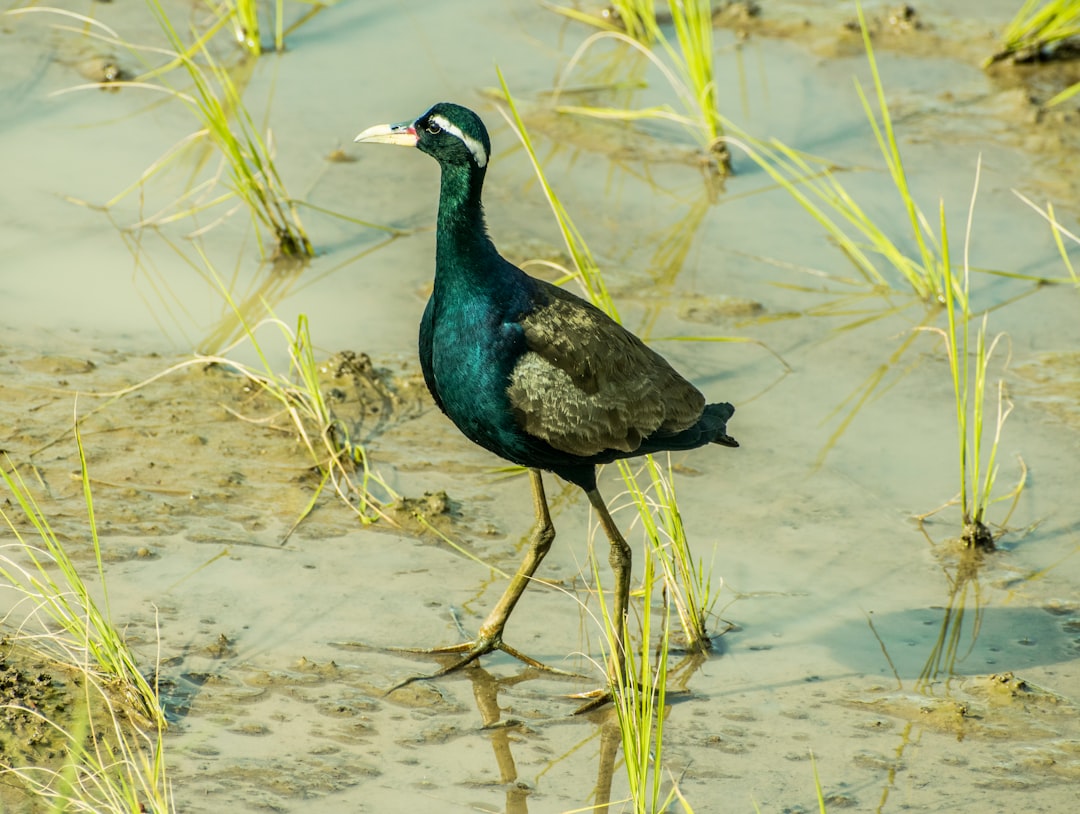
(601, 696)
(594, 699)
(470, 652)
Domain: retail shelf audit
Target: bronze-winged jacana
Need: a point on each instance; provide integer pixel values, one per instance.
(532, 372)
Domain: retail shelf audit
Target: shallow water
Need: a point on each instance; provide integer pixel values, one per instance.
(838, 599)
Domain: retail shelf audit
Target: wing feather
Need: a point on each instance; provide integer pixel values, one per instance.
(585, 384)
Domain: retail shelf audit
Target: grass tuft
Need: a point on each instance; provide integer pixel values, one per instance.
(635, 18)
(217, 103)
(813, 183)
(108, 767)
(662, 524)
(686, 64)
(639, 696)
(248, 33)
(337, 456)
(71, 625)
(244, 16)
(969, 378)
(927, 274)
(1038, 29)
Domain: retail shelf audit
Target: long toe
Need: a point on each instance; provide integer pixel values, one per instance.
(468, 653)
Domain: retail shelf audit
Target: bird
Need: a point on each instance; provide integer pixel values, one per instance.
(533, 373)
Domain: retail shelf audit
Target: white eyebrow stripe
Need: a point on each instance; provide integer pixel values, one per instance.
(475, 147)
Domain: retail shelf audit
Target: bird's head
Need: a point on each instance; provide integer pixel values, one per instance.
(450, 133)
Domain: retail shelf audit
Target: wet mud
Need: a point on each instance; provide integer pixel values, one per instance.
(916, 677)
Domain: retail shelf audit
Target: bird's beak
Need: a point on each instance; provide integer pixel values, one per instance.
(402, 134)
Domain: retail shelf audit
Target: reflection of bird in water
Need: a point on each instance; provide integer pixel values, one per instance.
(533, 373)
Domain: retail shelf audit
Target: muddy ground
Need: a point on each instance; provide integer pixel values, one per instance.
(919, 676)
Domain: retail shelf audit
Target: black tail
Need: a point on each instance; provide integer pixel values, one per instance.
(716, 417)
(711, 428)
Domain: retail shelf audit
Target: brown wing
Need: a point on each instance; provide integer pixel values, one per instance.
(586, 384)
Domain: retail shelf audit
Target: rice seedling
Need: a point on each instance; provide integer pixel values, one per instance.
(249, 34)
(926, 277)
(110, 766)
(226, 123)
(687, 66)
(814, 185)
(1038, 29)
(662, 524)
(635, 18)
(342, 460)
(693, 585)
(67, 622)
(969, 379)
(587, 271)
(639, 692)
(244, 15)
(253, 295)
(217, 103)
(692, 20)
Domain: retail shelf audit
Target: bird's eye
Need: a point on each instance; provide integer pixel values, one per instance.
(433, 128)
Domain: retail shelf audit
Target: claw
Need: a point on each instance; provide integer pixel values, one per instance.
(471, 652)
(594, 699)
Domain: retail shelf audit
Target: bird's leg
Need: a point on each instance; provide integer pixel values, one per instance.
(619, 558)
(543, 535)
(489, 637)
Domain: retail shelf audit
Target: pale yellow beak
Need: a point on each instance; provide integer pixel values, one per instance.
(401, 134)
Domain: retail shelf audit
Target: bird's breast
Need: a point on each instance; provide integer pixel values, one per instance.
(472, 349)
